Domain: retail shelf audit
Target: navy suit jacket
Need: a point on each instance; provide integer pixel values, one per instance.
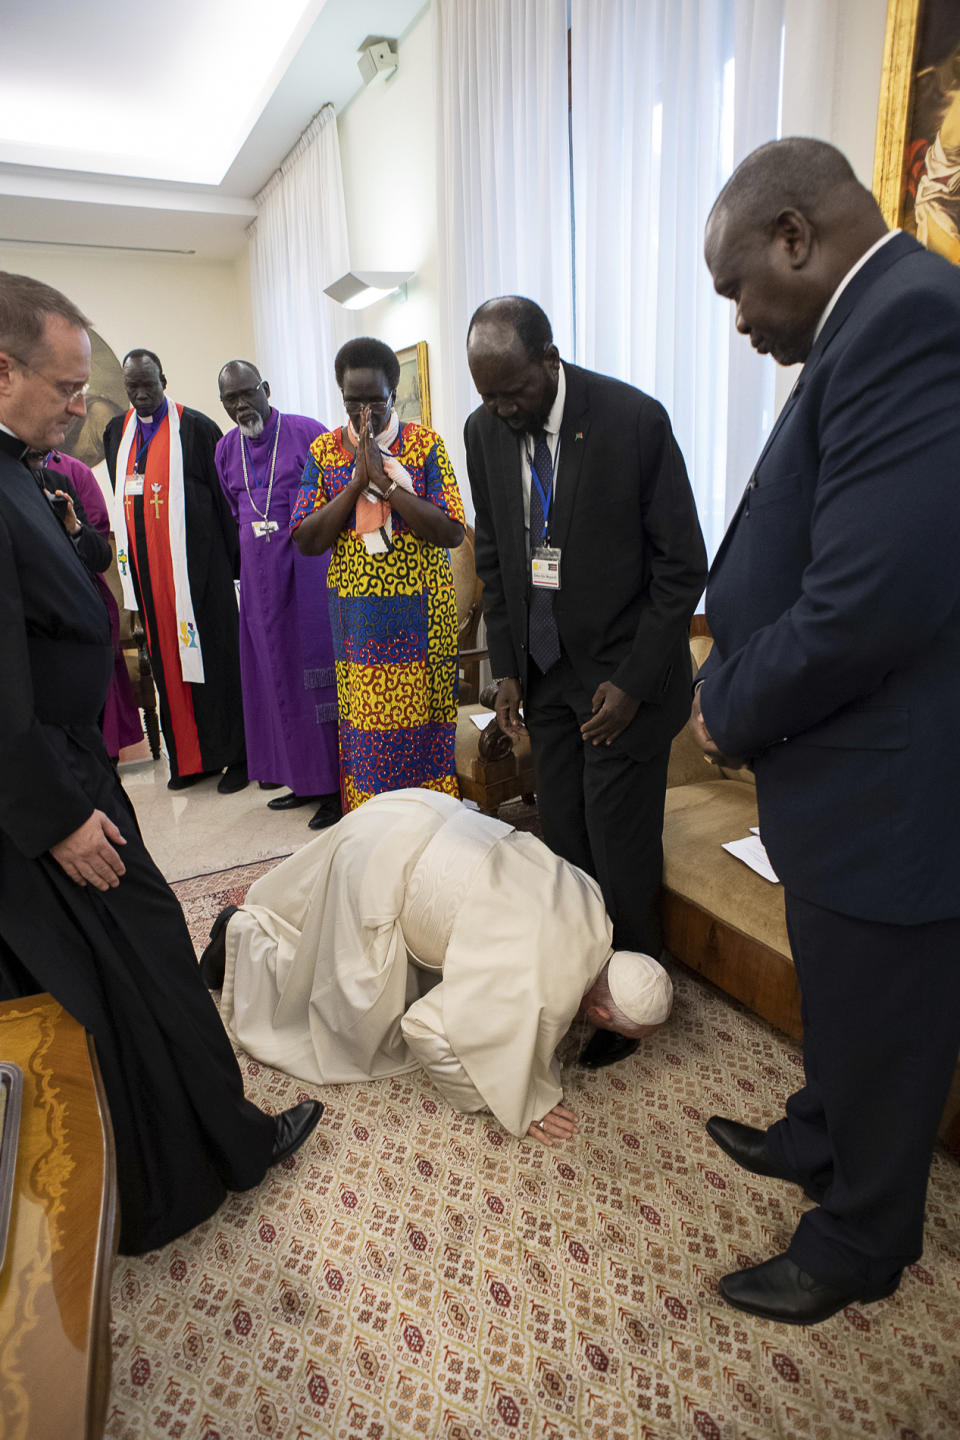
(633, 560)
(834, 602)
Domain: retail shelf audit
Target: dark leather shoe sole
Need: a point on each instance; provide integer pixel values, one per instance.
(293, 1126)
(746, 1146)
(779, 1290)
(213, 961)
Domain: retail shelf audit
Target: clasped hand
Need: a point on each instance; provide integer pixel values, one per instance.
(369, 467)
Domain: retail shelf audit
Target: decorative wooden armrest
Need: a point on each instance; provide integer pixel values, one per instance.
(494, 744)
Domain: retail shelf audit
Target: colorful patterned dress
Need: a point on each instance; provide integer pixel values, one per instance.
(394, 623)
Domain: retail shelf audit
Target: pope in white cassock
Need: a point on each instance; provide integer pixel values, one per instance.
(419, 932)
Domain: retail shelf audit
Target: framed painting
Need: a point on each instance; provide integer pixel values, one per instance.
(413, 392)
(916, 172)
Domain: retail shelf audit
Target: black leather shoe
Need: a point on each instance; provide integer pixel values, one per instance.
(234, 778)
(183, 782)
(213, 961)
(269, 785)
(288, 801)
(779, 1290)
(605, 1047)
(293, 1126)
(748, 1147)
(328, 813)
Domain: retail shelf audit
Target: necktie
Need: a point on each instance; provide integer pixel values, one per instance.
(544, 639)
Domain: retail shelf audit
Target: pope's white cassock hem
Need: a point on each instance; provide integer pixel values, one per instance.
(318, 981)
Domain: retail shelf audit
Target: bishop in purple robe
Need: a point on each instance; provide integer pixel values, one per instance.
(286, 652)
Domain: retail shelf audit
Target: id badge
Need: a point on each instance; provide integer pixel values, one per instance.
(134, 485)
(545, 567)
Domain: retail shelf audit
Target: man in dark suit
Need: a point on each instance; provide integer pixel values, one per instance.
(84, 912)
(834, 602)
(592, 561)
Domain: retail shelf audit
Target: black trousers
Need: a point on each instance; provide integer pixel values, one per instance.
(881, 1031)
(122, 963)
(600, 808)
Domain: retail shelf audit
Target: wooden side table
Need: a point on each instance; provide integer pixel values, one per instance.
(55, 1281)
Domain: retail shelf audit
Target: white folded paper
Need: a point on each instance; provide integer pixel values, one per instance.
(750, 850)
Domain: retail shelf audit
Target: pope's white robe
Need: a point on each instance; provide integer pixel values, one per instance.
(318, 975)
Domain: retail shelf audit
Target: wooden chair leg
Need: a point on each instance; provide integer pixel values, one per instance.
(152, 723)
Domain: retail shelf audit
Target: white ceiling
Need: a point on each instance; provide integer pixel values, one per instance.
(154, 128)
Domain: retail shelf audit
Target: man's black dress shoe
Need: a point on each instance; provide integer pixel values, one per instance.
(288, 801)
(183, 782)
(748, 1147)
(779, 1290)
(213, 961)
(606, 1047)
(234, 778)
(269, 785)
(328, 813)
(293, 1126)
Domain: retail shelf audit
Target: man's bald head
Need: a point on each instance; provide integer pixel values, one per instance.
(245, 396)
(785, 229)
(513, 360)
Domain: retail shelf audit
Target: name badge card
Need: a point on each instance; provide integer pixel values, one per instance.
(134, 485)
(545, 567)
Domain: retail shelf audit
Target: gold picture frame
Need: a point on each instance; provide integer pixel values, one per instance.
(918, 123)
(413, 391)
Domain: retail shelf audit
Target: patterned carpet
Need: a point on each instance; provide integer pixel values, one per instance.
(413, 1274)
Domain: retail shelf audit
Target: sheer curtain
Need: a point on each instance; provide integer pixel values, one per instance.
(298, 244)
(503, 172)
(667, 96)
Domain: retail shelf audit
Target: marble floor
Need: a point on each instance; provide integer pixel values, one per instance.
(194, 831)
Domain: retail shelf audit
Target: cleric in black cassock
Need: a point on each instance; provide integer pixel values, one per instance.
(106, 937)
(180, 578)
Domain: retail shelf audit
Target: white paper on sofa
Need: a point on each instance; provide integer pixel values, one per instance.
(751, 851)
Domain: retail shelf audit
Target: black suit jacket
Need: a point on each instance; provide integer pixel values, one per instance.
(834, 602)
(55, 665)
(633, 560)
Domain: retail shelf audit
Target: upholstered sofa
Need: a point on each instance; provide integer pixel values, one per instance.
(720, 917)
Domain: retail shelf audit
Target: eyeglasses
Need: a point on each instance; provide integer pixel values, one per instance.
(65, 388)
(354, 407)
(236, 397)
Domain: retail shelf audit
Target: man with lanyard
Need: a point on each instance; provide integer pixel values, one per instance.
(592, 562)
(286, 652)
(178, 557)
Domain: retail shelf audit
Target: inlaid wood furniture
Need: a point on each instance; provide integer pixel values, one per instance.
(55, 1281)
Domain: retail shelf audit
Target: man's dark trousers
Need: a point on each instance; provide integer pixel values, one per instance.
(600, 808)
(876, 1106)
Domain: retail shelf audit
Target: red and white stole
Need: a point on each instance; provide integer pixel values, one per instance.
(188, 636)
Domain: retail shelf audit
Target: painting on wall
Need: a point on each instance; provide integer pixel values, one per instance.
(413, 391)
(916, 175)
(105, 398)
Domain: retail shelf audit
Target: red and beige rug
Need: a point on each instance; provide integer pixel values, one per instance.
(414, 1274)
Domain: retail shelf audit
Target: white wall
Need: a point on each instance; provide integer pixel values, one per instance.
(194, 314)
(388, 153)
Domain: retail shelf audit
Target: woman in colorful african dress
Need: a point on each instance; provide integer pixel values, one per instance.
(382, 495)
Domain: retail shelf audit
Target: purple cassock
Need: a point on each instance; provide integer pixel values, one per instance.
(121, 718)
(286, 653)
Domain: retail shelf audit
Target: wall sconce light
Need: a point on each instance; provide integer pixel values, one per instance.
(360, 288)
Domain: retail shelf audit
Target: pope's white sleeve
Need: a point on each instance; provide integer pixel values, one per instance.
(422, 1027)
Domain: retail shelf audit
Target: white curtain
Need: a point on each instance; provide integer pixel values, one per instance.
(667, 97)
(298, 244)
(503, 183)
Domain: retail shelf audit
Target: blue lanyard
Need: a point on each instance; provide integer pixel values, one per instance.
(546, 499)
